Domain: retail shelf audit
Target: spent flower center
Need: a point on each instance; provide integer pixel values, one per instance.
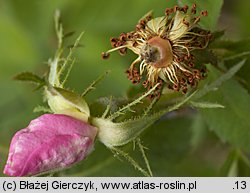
(165, 47)
(157, 52)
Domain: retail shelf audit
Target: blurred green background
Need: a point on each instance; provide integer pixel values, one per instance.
(27, 40)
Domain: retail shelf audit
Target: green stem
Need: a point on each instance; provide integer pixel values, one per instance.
(94, 83)
(119, 152)
(141, 147)
(127, 107)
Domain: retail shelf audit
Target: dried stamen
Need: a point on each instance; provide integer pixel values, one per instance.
(164, 46)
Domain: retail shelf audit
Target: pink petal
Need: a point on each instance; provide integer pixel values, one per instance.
(50, 142)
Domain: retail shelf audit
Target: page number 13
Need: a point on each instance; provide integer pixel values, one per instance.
(240, 185)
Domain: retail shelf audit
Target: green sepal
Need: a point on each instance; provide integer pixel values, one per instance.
(42, 109)
(62, 101)
(114, 134)
(29, 77)
(205, 105)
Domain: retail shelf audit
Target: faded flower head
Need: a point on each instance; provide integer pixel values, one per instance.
(50, 142)
(164, 47)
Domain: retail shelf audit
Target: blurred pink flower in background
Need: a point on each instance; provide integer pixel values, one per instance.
(50, 142)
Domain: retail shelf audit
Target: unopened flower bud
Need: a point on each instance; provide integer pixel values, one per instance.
(50, 142)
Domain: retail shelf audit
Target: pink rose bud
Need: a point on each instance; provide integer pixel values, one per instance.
(50, 142)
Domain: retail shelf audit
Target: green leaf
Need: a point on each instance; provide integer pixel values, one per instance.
(243, 165)
(222, 78)
(218, 34)
(29, 77)
(199, 131)
(213, 8)
(237, 56)
(233, 51)
(229, 168)
(236, 164)
(232, 123)
(205, 56)
(232, 47)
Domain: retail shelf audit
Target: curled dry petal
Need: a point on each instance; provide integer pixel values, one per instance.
(50, 142)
